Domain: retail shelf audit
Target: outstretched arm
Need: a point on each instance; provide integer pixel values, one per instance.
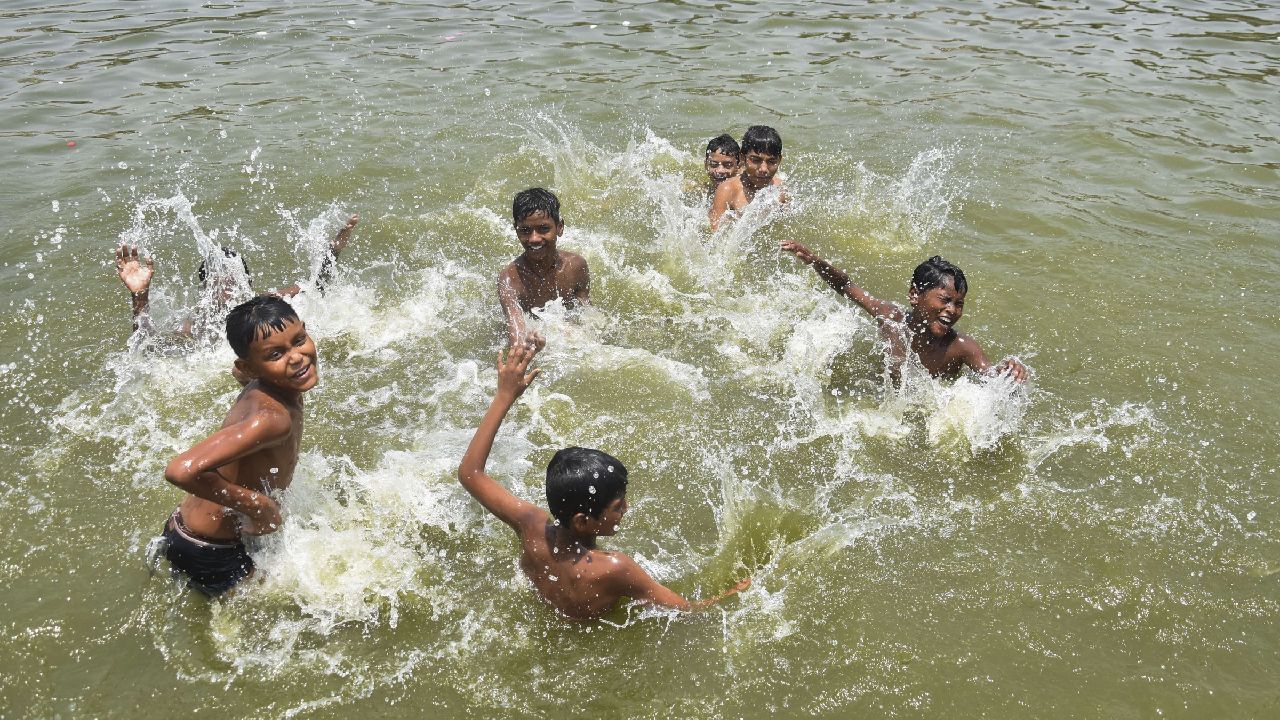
(509, 286)
(196, 470)
(512, 381)
(840, 282)
(633, 582)
(136, 275)
(976, 359)
(336, 246)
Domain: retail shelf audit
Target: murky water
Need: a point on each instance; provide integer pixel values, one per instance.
(1099, 543)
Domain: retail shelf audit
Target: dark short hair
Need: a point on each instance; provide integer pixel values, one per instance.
(762, 139)
(256, 319)
(930, 273)
(723, 144)
(534, 200)
(582, 480)
(203, 270)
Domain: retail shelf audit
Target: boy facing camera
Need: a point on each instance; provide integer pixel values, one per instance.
(586, 493)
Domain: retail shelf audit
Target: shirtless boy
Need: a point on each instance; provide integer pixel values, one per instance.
(136, 274)
(227, 475)
(761, 157)
(936, 293)
(722, 162)
(586, 492)
(541, 273)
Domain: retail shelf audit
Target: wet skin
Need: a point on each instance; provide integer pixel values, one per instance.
(256, 449)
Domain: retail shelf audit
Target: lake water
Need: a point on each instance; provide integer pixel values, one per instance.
(1099, 544)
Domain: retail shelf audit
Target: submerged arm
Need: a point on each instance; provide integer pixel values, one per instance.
(512, 381)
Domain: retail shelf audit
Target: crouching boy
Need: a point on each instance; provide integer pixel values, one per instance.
(586, 492)
(229, 474)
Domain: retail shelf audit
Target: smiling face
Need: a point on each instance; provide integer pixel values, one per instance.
(759, 168)
(720, 167)
(938, 309)
(285, 358)
(537, 233)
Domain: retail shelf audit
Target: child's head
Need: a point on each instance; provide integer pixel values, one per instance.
(937, 295)
(271, 343)
(586, 487)
(936, 272)
(536, 213)
(761, 154)
(535, 200)
(723, 158)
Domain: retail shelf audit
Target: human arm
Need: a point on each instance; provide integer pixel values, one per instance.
(509, 287)
(197, 470)
(976, 359)
(336, 246)
(720, 203)
(581, 282)
(840, 282)
(630, 580)
(136, 274)
(512, 381)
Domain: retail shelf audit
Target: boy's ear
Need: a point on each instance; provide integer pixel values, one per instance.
(240, 368)
(580, 523)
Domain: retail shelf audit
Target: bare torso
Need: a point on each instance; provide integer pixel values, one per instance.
(266, 470)
(534, 287)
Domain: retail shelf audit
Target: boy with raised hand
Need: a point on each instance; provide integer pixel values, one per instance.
(135, 272)
(586, 492)
(542, 272)
(761, 158)
(228, 475)
(936, 294)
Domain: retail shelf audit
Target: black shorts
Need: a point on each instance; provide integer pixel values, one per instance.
(212, 566)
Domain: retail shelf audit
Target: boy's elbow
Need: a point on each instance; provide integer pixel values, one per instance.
(179, 473)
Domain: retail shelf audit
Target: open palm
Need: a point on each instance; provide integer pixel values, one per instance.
(136, 273)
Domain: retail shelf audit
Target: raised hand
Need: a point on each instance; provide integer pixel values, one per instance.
(136, 273)
(512, 376)
(339, 242)
(802, 253)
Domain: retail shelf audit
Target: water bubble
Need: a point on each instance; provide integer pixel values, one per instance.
(122, 165)
(56, 206)
(591, 489)
(553, 578)
(610, 468)
(595, 474)
(275, 470)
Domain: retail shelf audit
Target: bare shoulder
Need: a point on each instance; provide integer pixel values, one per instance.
(965, 347)
(532, 522)
(268, 418)
(573, 262)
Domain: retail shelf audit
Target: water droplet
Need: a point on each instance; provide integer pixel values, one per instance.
(595, 474)
(275, 470)
(591, 489)
(610, 468)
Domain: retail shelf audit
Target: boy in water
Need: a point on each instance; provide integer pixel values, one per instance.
(761, 157)
(722, 161)
(936, 293)
(586, 493)
(227, 475)
(541, 273)
(136, 274)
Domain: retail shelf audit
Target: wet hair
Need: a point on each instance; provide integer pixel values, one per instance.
(203, 270)
(762, 139)
(256, 319)
(582, 480)
(930, 273)
(534, 200)
(724, 144)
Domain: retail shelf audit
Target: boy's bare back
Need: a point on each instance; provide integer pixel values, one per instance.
(560, 557)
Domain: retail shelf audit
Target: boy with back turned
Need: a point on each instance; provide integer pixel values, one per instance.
(586, 493)
(228, 475)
